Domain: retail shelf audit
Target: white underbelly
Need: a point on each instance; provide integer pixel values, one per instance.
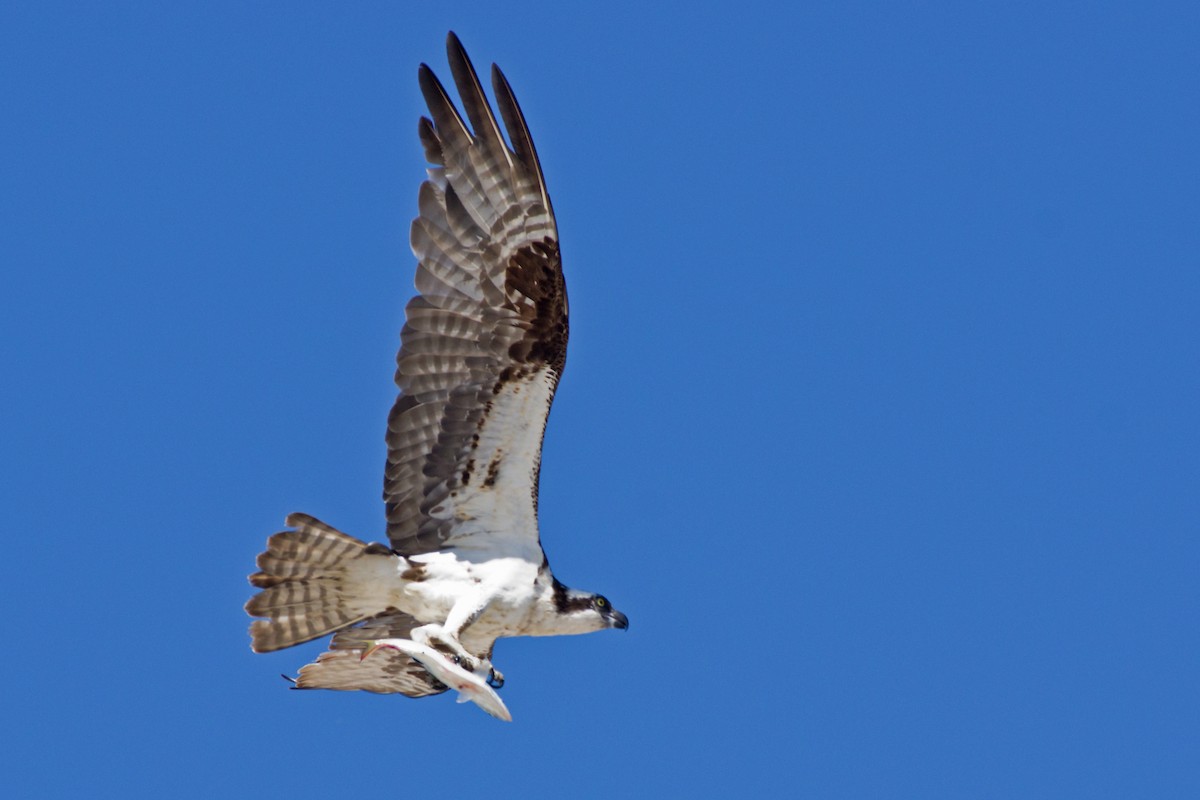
(503, 587)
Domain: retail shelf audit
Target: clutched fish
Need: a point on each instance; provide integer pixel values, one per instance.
(468, 685)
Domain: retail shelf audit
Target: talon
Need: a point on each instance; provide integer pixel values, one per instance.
(495, 679)
(372, 648)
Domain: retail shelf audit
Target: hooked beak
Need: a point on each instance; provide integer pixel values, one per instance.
(619, 620)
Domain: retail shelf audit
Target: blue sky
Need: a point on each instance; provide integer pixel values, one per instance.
(879, 418)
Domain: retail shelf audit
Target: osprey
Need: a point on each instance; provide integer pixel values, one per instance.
(481, 353)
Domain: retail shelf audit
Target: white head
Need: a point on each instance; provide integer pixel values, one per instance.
(584, 612)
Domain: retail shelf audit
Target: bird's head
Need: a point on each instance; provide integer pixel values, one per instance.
(584, 612)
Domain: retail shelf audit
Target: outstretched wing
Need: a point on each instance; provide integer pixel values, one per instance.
(385, 671)
(485, 340)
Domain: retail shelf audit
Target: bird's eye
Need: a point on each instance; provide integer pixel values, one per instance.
(601, 602)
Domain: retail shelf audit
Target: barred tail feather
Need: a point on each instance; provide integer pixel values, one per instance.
(305, 593)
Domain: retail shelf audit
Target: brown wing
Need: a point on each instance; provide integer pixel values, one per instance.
(384, 671)
(484, 342)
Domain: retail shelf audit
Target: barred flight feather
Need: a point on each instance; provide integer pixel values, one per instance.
(492, 299)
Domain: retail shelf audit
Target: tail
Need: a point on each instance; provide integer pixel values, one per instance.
(305, 593)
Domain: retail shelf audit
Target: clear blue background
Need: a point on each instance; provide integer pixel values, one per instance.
(879, 417)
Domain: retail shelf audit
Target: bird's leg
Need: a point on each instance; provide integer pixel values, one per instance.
(437, 637)
(447, 635)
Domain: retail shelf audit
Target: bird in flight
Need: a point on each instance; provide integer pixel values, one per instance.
(481, 353)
